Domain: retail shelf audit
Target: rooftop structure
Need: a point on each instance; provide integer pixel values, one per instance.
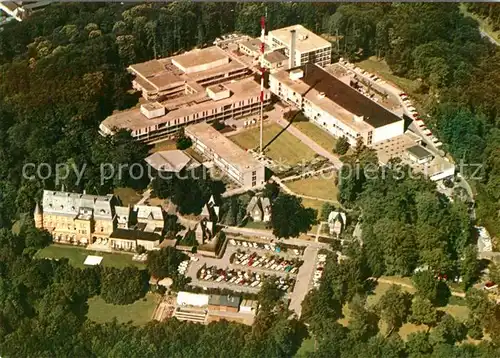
(77, 205)
(122, 216)
(407, 147)
(251, 47)
(148, 212)
(335, 106)
(234, 161)
(185, 74)
(232, 100)
(200, 60)
(192, 299)
(170, 161)
(306, 40)
(305, 45)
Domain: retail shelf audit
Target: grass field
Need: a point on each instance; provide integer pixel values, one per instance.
(167, 144)
(286, 149)
(77, 255)
(128, 196)
(323, 138)
(317, 187)
(139, 312)
(313, 204)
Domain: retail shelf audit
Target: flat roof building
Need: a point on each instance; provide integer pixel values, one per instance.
(305, 45)
(238, 164)
(334, 105)
(200, 85)
(407, 147)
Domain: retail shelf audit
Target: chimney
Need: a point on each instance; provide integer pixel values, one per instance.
(291, 55)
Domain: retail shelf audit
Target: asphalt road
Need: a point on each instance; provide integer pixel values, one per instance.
(303, 280)
(492, 39)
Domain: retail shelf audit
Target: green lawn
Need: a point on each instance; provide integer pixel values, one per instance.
(140, 312)
(318, 187)
(77, 255)
(286, 149)
(320, 136)
(128, 196)
(256, 225)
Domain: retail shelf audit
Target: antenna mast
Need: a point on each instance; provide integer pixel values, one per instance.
(262, 72)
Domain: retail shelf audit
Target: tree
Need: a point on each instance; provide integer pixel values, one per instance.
(218, 125)
(269, 294)
(363, 323)
(426, 285)
(326, 209)
(182, 142)
(271, 190)
(35, 238)
(122, 287)
(469, 266)
(342, 146)
(394, 306)
(418, 344)
(164, 263)
(289, 217)
(448, 330)
(423, 312)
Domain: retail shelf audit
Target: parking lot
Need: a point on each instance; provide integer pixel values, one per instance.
(232, 268)
(267, 262)
(242, 278)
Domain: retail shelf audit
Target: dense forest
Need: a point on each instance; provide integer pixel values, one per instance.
(490, 11)
(62, 71)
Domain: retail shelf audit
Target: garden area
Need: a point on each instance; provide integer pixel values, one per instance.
(76, 256)
(286, 149)
(128, 196)
(320, 136)
(139, 313)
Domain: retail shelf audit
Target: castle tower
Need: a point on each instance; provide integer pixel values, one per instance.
(38, 216)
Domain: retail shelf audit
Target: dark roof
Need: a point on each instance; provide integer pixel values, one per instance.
(225, 300)
(347, 97)
(134, 235)
(419, 152)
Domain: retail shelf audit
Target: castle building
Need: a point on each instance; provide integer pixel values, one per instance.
(98, 222)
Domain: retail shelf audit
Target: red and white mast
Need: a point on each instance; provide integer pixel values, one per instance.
(262, 73)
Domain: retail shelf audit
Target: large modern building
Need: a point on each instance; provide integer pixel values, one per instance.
(238, 164)
(335, 106)
(197, 86)
(98, 221)
(304, 45)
